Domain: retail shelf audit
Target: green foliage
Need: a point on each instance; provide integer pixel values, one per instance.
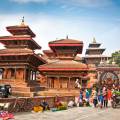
(116, 93)
(116, 57)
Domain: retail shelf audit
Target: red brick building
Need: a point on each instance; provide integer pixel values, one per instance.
(62, 71)
(18, 61)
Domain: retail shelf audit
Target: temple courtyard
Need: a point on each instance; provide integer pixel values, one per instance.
(78, 113)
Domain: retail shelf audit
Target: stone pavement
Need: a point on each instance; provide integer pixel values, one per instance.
(78, 113)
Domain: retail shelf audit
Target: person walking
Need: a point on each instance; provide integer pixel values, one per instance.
(87, 96)
(81, 98)
(94, 96)
(105, 98)
(100, 98)
(109, 96)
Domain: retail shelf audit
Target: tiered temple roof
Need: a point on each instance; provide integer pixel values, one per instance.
(94, 53)
(94, 48)
(64, 65)
(66, 48)
(65, 51)
(20, 46)
(18, 41)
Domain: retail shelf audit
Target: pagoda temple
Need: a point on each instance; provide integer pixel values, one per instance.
(94, 54)
(18, 62)
(63, 75)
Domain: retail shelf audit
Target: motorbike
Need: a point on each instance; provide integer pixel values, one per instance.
(115, 101)
(5, 91)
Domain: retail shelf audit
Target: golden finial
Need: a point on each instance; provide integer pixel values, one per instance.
(22, 22)
(94, 40)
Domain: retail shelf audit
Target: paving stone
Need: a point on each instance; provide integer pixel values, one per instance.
(73, 114)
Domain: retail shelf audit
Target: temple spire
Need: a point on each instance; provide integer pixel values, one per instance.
(67, 37)
(94, 40)
(22, 22)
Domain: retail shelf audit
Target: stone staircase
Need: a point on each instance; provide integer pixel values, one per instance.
(23, 88)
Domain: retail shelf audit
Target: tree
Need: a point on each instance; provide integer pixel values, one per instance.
(116, 57)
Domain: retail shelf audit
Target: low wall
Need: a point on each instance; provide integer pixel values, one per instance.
(24, 104)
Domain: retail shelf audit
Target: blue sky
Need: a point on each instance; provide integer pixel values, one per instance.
(54, 19)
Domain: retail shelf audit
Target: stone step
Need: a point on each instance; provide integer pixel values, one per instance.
(20, 88)
(23, 94)
(17, 82)
(61, 93)
(26, 89)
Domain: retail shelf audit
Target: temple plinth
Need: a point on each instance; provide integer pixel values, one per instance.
(18, 62)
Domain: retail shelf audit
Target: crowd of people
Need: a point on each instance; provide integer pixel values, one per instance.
(98, 97)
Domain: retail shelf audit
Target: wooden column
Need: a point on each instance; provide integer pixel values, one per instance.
(28, 74)
(81, 82)
(59, 81)
(4, 73)
(47, 81)
(1, 74)
(15, 72)
(24, 75)
(69, 82)
(31, 75)
(35, 75)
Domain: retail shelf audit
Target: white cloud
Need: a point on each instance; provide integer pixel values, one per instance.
(28, 1)
(48, 28)
(83, 3)
(89, 3)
